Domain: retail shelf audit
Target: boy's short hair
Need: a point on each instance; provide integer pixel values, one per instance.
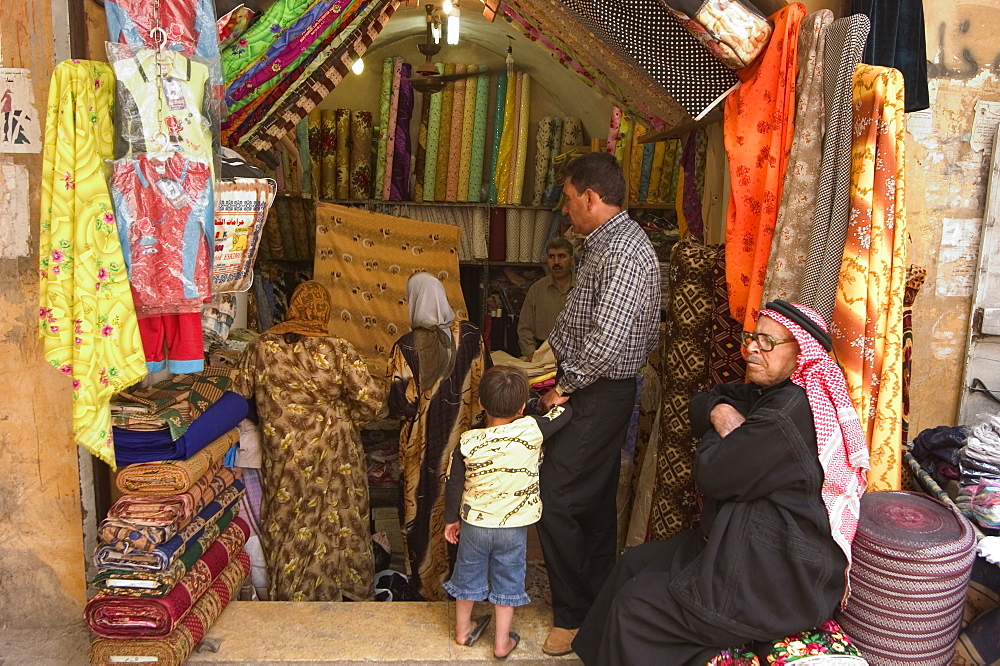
(503, 390)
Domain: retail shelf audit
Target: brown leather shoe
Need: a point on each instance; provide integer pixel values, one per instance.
(559, 642)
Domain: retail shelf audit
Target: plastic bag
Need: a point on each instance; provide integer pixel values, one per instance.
(164, 208)
(184, 26)
(163, 103)
(734, 32)
(985, 503)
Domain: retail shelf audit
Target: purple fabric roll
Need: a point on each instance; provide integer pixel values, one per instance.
(399, 188)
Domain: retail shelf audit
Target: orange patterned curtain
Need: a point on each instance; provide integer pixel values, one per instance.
(758, 128)
(868, 317)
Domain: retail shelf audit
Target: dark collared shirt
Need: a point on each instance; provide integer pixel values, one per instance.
(611, 319)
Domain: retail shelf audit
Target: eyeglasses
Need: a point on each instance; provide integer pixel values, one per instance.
(764, 341)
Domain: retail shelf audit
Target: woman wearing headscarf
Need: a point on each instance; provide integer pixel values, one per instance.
(433, 386)
(313, 391)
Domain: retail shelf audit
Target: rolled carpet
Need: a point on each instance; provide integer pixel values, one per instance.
(174, 649)
(152, 521)
(162, 556)
(172, 477)
(159, 583)
(113, 616)
(140, 446)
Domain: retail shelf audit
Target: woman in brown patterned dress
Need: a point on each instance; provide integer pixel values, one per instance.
(312, 391)
(433, 377)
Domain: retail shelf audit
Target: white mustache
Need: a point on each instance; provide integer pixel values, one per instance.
(756, 359)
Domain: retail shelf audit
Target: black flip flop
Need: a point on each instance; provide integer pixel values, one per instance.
(478, 625)
(517, 641)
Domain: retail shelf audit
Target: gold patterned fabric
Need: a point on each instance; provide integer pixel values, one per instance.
(312, 396)
(308, 311)
(86, 317)
(365, 260)
(867, 327)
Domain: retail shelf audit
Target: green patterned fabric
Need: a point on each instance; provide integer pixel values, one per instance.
(433, 140)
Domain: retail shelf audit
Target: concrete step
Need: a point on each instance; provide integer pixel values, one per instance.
(257, 632)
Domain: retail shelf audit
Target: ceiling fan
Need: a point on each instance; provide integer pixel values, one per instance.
(426, 78)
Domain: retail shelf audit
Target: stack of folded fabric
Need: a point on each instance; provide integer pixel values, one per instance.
(176, 418)
(980, 458)
(171, 557)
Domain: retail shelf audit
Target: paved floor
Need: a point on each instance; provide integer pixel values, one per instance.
(363, 633)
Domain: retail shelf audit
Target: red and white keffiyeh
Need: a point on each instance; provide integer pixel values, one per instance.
(842, 449)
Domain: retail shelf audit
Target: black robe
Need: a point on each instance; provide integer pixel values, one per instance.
(761, 565)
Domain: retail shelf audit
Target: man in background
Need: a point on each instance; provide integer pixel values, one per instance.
(546, 298)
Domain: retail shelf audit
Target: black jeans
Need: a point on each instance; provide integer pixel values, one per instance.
(579, 480)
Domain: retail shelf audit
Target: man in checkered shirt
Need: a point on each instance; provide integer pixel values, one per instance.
(601, 340)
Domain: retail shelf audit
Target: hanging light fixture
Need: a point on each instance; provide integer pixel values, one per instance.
(358, 66)
(453, 24)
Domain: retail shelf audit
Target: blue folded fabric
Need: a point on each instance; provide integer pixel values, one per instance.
(137, 446)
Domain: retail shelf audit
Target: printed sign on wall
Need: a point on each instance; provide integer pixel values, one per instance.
(19, 124)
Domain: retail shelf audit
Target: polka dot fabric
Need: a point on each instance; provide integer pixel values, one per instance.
(644, 32)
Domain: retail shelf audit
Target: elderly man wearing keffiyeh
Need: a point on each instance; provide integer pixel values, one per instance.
(781, 466)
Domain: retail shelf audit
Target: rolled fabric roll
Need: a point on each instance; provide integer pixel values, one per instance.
(315, 163)
(498, 234)
(656, 172)
(516, 125)
(421, 157)
(504, 161)
(302, 143)
(513, 234)
(646, 172)
(444, 141)
(399, 187)
(464, 220)
(498, 112)
(624, 136)
(479, 136)
(480, 233)
(329, 138)
(468, 130)
(455, 142)
(540, 234)
(633, 172)
(671, 171)
(524, 105)
(343, 118)
(614, 128)
(390, 146)
(361, 155)
(385, 95)
(433, 138)
(543, 155)
(554, 152)
(572, 134)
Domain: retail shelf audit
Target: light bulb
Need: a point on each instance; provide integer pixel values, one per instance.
(446, 6)
(453, 26)
(436, 33)
(358, 66)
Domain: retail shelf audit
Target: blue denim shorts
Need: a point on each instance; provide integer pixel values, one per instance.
(491, 565)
